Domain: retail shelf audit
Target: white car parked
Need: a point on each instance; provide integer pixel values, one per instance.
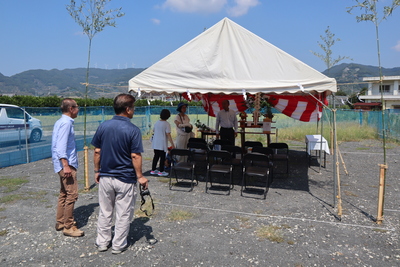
(15, 122)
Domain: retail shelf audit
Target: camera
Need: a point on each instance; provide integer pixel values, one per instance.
(145, 192)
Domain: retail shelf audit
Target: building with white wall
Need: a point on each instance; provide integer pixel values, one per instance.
(390, 88)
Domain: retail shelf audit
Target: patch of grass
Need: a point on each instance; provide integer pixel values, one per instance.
(2, 209)
(3, 232)
(270, 232)
(38, 194)
(242, 219)
(346, 131)
(379, 230)
(12, 198)
(29, 195)
(146, 207)
(163, 180)
(349, 193)
(179, 215)
(258, 212)
(12, 184)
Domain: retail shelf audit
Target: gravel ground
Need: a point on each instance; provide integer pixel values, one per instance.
(297, 225)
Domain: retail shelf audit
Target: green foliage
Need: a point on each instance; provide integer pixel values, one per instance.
(92, 16)
(50, 101)
(328, 41)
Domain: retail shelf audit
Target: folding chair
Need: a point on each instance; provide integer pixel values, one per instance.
(281, 153)
(220, 143)
(258, 166)
(269, 152)
(236, 153)
(219, 162)
(199, 156)
(185, 166)
(252, 144)
(197, 140)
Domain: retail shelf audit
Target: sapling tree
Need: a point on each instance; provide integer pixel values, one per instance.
(93, 17)
(328, 41)
(371, 12)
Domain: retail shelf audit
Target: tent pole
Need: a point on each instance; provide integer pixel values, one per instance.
(320, 145)
(334, 151)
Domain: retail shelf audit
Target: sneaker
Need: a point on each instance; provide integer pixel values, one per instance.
(101, 248)
(162, 173)
(73, 232)
(154, 172)
(119, 251)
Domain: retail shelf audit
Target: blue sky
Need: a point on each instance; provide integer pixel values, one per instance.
(40, 34)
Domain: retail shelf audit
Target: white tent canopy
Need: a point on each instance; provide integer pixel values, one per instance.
(227, 58)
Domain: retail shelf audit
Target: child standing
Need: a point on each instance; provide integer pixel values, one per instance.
(162, 134)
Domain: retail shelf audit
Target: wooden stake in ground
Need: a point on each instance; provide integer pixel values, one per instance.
(381, 192)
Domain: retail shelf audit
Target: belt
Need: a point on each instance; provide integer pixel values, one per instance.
(226, 128)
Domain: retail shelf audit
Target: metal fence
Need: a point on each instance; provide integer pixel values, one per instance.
(21, 150)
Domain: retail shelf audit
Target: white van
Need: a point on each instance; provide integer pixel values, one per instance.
(13, 126)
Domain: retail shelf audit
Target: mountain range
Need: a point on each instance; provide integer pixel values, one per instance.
(107, 83)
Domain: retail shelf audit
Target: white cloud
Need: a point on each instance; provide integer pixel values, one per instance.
(235, 8)
(156, 21)
(242, 7)
(397, 47)
(195, 6)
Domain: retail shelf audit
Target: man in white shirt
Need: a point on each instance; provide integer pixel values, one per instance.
(226, 125)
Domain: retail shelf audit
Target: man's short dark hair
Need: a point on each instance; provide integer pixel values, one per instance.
(122, 102)
(165, 114)
(66, 103)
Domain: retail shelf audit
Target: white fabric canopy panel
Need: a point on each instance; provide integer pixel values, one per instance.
(228, 59)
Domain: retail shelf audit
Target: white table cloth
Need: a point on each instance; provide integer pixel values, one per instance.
(314, 142)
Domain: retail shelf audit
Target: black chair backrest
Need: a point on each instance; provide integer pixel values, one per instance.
(252, 143)
(234, 150)
(221, 142)
(196, 145)
(197, 140)
(263, 150)
(180, 152)
(279, 146)
(219, 157)
(256, 159)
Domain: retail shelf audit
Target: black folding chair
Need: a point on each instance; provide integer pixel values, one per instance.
(269, 152)
(220, 143)
(219, 162)
(197, 140)
(281, 154)
(182, 166)
(236, 153)
(256, 165)
(199, 156)
(252, 144)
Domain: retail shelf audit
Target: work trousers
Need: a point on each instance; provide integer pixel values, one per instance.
(67, 198)
(115, 198)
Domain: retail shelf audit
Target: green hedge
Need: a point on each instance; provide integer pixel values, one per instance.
(55, 101)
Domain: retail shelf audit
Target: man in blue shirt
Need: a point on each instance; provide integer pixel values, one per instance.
(118, 168)
(65, 162)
